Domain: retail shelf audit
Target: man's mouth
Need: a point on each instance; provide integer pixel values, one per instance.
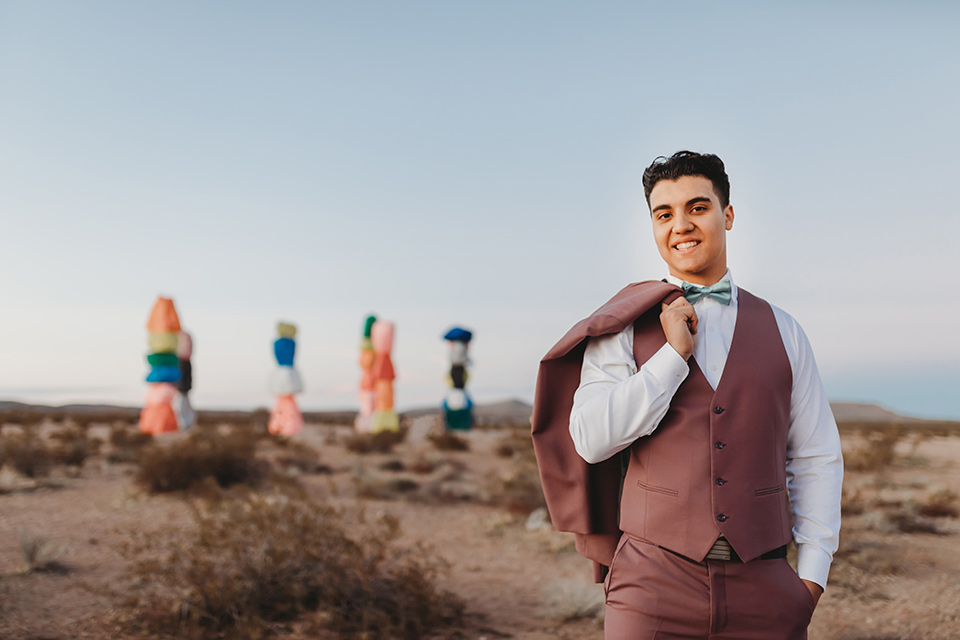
(686, 245)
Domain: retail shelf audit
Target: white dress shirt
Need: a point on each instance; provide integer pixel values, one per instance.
(616, 403)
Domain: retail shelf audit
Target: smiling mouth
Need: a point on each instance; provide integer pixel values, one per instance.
(686, 245)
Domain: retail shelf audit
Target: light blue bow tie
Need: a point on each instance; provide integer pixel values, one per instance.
(721, 292)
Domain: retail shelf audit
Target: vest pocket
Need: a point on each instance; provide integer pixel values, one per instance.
(768, 491)
(656, 489)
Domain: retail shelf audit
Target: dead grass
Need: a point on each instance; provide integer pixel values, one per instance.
(258, 560)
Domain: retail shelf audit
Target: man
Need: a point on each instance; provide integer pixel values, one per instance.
(712, 402)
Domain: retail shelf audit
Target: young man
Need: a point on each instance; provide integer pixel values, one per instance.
(704, 404)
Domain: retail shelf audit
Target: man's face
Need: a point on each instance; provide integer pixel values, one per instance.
(689, 227)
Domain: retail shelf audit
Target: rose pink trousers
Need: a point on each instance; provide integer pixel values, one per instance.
(653, 594)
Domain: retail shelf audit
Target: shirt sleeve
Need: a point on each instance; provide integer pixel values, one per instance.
(814, 459)
(615, 403)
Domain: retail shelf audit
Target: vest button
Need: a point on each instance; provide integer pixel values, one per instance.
(722, 518)
(719, 445)
(718, 410)
(721, 481)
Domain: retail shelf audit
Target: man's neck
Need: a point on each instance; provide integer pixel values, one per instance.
(700, 282)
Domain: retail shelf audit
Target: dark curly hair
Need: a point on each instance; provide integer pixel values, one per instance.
(688, 163)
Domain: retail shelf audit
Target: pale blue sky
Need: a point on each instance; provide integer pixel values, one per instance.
(469, 163)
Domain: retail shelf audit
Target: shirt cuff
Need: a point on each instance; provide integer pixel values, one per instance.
(813, 564)
(668, 367)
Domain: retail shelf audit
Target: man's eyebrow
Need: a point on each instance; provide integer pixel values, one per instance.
(660, 206)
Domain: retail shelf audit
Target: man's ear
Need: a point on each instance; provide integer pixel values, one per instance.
(728, 217)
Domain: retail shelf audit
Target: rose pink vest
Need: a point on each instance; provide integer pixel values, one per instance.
(716, 463)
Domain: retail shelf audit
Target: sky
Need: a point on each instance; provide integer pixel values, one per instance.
(462, 163)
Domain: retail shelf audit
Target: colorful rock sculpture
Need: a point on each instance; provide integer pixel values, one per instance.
(384, 416)
(457, 405)
(368, 393)
(285, 419)
(186, 417)
(158, 415)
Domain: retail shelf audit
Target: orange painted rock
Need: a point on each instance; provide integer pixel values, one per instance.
(163, 318)
(285, 419)
(157, 419)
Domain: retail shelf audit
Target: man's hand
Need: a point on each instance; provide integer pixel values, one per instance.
(815, 590)
(679, 322)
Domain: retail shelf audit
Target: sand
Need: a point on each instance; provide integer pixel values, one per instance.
(517, 582)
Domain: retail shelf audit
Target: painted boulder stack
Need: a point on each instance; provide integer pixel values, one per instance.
(285, 419)
(368, 384)
(163, 327)
(384, 416)
(186, 417)
(457, 405)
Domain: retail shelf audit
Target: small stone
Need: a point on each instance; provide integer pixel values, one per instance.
(538, 520)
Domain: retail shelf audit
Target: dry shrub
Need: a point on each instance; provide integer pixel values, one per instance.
(941, 504)
(518, 489)
(255, 561)
(516, 444)
(422, 466)
(448, 441)
(226, 458)
(569, 600)
(38, 556)
(380, 442)
(380, 489)
(73, 446)
(27, 453)
(393, 465)
(908, 520)
(878, 450)
(870, 557)
(126, 441)
(852, 504)
(300, 456)
(23, 417)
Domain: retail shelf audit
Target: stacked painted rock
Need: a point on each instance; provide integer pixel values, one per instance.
(163, 326)
(384, 416)
(368, 392)
(185, 414)
(285, 419)
(457, 406)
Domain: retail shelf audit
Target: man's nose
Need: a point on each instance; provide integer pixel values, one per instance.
(681, 223)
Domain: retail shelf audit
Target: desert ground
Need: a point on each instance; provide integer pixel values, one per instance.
(66, 532)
